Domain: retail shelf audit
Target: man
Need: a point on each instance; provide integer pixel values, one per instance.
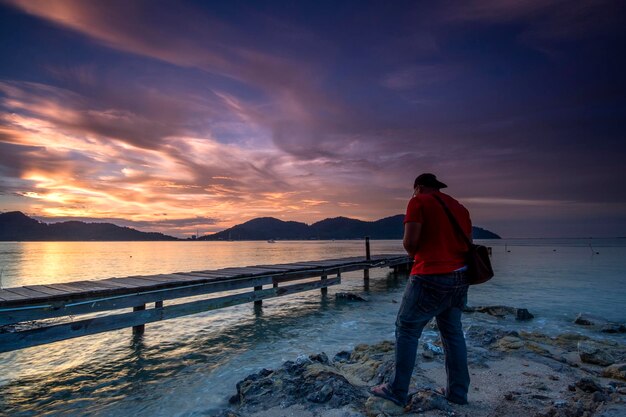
(437, 287)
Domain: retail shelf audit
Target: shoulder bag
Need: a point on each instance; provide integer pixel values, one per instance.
(479, 268)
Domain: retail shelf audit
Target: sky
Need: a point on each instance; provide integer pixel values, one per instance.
(192, 116)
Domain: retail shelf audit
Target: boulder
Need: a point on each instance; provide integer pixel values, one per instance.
(599, 324)
(583, 320)
(321, 396)
(424, 401)
(428, 354)
(436, 350)
(375, 406)
(320, 357)
(569, 341)
(616, 371)
(342, 356)
(501, 311)
(508, 343)
(588, 385)
(523, 315)
(594, 354)
(349, 296)
(613, 328)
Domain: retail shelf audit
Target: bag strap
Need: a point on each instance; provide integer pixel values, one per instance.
(455, 224)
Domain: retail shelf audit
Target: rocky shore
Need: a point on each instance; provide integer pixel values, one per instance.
(514, 373)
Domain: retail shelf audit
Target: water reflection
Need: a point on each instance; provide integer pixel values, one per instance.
(30, 263)
(191, 364)
(129, 368)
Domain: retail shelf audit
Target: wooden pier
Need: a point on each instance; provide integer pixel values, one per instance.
(39, 314)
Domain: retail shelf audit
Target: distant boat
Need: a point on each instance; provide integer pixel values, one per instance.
(271, 241)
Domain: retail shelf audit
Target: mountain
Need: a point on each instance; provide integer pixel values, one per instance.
(480, 233)
(266, 228)
(262, 228)
(16, 226)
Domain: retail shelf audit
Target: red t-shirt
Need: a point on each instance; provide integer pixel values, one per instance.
(440, 248)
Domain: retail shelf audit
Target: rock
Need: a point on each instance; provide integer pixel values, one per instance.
(349, 296)
(559, 403)
(523, 315)
(342, 356)
(613, 410)
(428, 354)
(588, 385)
(594, 354)
(302, 359)
(520, 314)
(320, 357)
(498, 311)
(569, 341)
(510, 343)
(375, 406)
(600, 324)
(424, 401)
(617, 371)
(509, 396)
(436, 350)
(600, 397)
(583, 320)
(613, 328)
(321, 396)
(483, 336)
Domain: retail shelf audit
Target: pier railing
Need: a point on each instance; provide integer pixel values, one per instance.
(39, 314)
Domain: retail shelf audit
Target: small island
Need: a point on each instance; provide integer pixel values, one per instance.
(16, 226)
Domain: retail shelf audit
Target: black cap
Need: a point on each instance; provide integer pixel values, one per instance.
(428, 180)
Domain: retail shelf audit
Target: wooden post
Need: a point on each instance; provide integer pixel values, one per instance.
(324, 290)
(140, 329)
(368, 257)
(258, 302)
(158, 304)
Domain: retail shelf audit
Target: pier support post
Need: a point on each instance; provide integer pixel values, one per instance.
(139, 330)
(368, 257)
(258, 303)
(324, 290)
(158, 304)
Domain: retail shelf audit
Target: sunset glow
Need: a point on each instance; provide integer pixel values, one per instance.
(207, 117)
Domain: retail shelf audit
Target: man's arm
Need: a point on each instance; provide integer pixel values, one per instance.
(411, 238)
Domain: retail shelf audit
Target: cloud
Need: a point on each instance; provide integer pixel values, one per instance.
(179, 227)
(415, 76)
(197, 113)
(544, 20)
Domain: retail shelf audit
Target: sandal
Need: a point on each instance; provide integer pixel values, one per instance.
(383, 391)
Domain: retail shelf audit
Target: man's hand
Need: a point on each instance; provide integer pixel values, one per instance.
(411, 238)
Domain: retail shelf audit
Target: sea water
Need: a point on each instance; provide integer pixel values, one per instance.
(189, 366)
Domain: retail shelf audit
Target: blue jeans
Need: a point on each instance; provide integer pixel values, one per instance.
(425, 297)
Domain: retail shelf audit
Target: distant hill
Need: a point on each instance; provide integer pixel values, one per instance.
(266, 228)
(16, 226)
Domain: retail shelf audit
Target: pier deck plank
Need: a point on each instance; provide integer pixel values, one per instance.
(153, 298)
(38, 294)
